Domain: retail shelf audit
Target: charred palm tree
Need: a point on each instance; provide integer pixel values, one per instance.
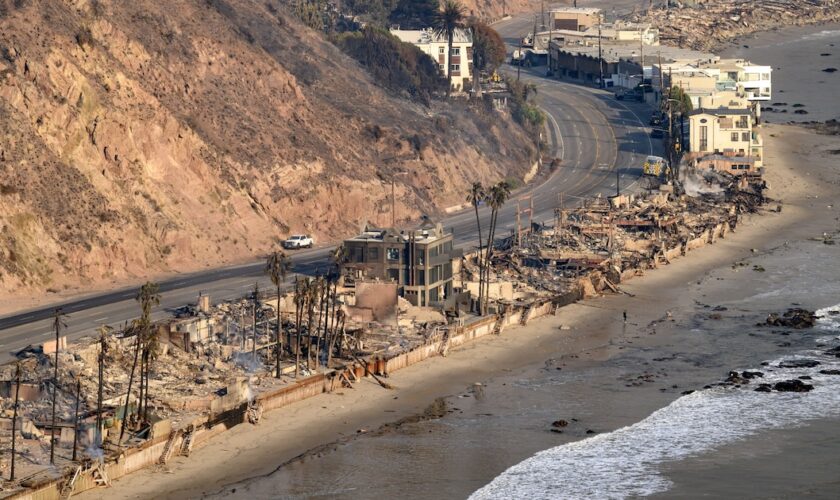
(450, 17)
(311, 300)
(300, 300)
(148, 297)
(476, 195)
(496, 198)
(277, 267)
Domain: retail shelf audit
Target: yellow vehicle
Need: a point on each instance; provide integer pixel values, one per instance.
(656, 166)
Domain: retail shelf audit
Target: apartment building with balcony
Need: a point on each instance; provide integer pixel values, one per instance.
(419, 261)
(460, 61)
(724, 139)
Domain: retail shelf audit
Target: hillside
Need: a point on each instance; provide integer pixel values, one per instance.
(143, 138)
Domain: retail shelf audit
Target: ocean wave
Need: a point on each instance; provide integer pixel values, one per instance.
(822, 34)
(625, 463)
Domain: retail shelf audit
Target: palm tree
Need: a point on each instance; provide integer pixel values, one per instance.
(339, 257)
(300, 300)
(148, 297)
(496, 198)
(475, 196)
(277, 267)
(450, 18)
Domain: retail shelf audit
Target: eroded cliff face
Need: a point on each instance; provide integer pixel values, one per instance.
(145, 137)
(494, 9)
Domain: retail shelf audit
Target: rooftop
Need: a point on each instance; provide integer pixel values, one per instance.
(575, 10)
(428, 35)
(614, 52)
(426, 233)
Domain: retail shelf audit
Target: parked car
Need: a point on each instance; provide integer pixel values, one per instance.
(657, 133)
(620, 94)
(299, 241)
(655, 120)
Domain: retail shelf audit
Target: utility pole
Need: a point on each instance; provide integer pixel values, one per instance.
(550, 36)
(14, 418)
(57, 323)
(256, 302)
(101, 359)
(642, 55)
(542, 14)
(600, 56)
(617, 183)
(76, 418)
(393, 202)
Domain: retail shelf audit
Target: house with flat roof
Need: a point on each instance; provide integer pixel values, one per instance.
(575, 18)
(459, 62)
(419, 261)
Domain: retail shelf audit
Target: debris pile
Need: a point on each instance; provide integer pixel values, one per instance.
(709, 24)
(597, 245)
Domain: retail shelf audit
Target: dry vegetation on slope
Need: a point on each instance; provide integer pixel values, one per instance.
(139, 138)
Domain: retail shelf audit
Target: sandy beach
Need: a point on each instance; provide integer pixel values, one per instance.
(576, 345)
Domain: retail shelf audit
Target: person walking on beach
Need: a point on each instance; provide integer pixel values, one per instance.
(625, 316)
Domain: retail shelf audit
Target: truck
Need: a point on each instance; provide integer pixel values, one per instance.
(299, 241)
(656, 166)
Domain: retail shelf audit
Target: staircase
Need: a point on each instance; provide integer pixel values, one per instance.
(186, 446)
(526, 314)
(100, 477)
(169, 448)
(68, 486)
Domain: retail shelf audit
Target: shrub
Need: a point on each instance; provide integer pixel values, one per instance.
(396, 65)
(84, 37)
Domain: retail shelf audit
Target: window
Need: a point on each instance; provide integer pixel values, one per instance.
(455, 67)
(393, 254)
(456, 51)
(357, 254)
(441, 50)
(441, 67)
(394, 275)
(745, 136)
(704, 138)
(734, 136)
(742, 122)
(373, 254)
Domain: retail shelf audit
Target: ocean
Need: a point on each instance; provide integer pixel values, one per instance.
(627, 462)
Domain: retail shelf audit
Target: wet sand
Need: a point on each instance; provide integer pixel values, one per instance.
(600, 360)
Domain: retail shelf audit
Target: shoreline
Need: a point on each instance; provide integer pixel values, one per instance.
(245, 452)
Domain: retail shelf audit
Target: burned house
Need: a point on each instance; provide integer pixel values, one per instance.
(419, 261)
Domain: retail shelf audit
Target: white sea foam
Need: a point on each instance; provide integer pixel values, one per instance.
(625, 463)
(822, 35)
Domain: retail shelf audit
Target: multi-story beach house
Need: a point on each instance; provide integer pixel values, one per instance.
(434, 44)
(419, 261)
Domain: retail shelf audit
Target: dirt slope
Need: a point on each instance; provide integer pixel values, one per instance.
(140, 138)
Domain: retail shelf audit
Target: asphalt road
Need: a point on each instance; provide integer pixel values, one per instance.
(594, 135)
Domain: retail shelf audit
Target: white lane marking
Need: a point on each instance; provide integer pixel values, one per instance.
(105, 318)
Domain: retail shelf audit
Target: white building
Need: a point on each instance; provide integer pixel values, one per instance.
(459, 61)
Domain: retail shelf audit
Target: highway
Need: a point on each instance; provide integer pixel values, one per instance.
(594, 135)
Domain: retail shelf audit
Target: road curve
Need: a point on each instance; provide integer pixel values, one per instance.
(595, 135)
